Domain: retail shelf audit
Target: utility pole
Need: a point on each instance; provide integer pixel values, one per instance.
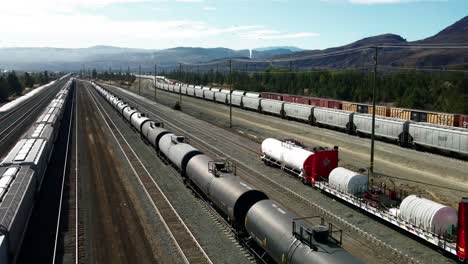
(180, 85)
(374, 84)
(139, 79)
(230, 94)
(155, 74)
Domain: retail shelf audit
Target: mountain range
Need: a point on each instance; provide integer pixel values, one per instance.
(105, 57)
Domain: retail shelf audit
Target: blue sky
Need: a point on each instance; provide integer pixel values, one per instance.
(312, 24)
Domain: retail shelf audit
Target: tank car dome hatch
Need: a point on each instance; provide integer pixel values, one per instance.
(320, 233)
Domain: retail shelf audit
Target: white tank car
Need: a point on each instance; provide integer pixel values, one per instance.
(427, 214)
(311, 166)
(348, 181)
(286, 153)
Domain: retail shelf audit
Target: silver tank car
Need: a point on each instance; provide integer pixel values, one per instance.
(115, 101)
(121, 106)
(230, 195)
(153, 133)
(177, 151)
(128, 112)
(138, 120)
(271, 226)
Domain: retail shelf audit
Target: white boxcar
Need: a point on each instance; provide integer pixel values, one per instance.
(205, 88)
(271, 106)
(176, 89)
(30, 152)
(208, 95)
(238, 92)
(440, 137)
(226, 91)
(184, 89)
(190, 91)
(221, 97)
(298, 111)
(250, 103)
(236, 99)
(390, 128)
(253, 95)
(199, 93)
(335, 118)
(171, 88)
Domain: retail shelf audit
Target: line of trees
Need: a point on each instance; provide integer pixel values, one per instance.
(12, 83)
(440, 91)
(122, 78)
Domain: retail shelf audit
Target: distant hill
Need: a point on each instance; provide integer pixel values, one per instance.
(290, 48)
(104, 57)
(456, 33)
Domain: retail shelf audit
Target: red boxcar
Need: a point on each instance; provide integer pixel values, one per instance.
(463, 121)
(273, 96)
(314, 101)
(335, 104)
(296, 99)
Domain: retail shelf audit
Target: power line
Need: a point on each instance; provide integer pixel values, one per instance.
(428, 46)
(420, 69)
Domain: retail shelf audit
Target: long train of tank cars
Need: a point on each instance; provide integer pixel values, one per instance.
(274, 233)
(400, 129)
(22, 173)
(438, 224)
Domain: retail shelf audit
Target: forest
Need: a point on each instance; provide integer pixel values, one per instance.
(14, 84)
(432, 91)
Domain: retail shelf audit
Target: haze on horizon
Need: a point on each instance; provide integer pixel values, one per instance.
(243, 24)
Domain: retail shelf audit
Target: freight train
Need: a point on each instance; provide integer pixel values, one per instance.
(399, 128)
(273, 233)
(435, 223)
(22, 172)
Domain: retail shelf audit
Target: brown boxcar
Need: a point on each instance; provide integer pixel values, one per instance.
(400, 113)
(352, 107)
(380, 110)
(463, 121)
(443, 119)
(272, 96)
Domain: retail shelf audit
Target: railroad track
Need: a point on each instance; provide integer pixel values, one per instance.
(10, 122)
(185, 242)
(227, 144)
(72, 226)
(73, 244)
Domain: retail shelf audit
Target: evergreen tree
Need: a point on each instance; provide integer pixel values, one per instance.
(28, 80)
(14, 83)
(4, 89)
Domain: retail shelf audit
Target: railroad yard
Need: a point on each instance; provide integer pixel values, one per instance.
(408, 169)
(110, 197)
(243, 148)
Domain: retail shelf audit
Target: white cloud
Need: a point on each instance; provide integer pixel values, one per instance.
(63, 23)
(190, 1)
(56, 6)
(371, 2)
(267, 34)
(209, 8)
